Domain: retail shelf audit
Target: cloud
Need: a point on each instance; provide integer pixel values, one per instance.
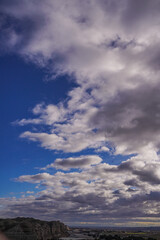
(37, 37)
(34, 178)
(103, 149)
(74, 162)
(65, 142)
(47, 115)
(29, 192)
(111, 65)
(94, 193)
(131, 119)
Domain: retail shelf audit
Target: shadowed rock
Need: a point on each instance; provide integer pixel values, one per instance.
(32, 229)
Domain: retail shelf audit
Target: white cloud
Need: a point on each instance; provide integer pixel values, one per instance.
(109, 62)
(95, 191)
(47, 115)
(103, 149)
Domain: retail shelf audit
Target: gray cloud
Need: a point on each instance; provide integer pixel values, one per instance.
(137, 14)
(75, 162)
(131, 118)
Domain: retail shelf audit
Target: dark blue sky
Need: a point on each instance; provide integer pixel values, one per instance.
(22, 87)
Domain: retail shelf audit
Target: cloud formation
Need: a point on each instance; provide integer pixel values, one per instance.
(129, 190)
(75, 162)
(111, 50)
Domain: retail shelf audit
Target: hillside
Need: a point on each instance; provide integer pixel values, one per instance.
(32, 229)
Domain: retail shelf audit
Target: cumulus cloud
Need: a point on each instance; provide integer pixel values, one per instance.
(111, 50)
(74, 162)
(47, 115)
(131, 119)
(65, 142)
(111, 64)
(97, 192)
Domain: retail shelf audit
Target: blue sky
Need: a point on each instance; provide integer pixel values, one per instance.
(80, 111)
(23, 86)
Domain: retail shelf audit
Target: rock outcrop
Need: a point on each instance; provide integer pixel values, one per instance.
(32, 229)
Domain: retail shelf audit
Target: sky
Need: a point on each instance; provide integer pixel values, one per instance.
(80, 111)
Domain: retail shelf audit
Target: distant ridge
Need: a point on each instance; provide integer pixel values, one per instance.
(21, 228)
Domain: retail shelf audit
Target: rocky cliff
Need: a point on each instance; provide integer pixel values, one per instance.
(32, 229)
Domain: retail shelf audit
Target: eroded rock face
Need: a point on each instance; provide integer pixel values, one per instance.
(32, 229)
